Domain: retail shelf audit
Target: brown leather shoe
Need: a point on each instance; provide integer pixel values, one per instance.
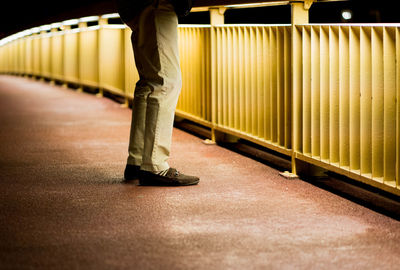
(172, 178)
(131, 172)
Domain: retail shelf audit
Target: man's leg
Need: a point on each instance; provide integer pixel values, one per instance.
(155, 45)
(156, 51)
(142, 90)
(161, 102)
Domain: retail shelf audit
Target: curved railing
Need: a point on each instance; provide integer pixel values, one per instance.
(324, 94)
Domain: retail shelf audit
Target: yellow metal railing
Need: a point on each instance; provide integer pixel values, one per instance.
(252, 90)
(112, 58)
(345, 100)
(57, 55)
(35, 56)
(131, 74)
(70, 56)
(45, 56)
(323, 94)
(88, 56)
(195, 99)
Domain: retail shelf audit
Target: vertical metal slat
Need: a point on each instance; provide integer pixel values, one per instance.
(324, 93)
(377, 104)
(354, 108)
(389, 73)
(315, 92)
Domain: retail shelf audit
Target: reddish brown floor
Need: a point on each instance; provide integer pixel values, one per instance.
(63, 204)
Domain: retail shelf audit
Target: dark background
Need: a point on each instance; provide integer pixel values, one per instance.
(16, 16)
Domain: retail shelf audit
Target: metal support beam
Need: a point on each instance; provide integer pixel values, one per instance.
(217, 16)
(300, 12)
(299, 16)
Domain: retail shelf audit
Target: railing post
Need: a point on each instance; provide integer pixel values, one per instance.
(102, 21)
(52, 80)
(34, 53)
(299, 15)
(64, 28)
(41, 76)
(216, 18)
(81, 25)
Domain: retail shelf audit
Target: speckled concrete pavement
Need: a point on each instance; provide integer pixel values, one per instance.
(63, 204)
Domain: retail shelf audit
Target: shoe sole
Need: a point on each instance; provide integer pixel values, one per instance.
(146, 182)
(131, 178)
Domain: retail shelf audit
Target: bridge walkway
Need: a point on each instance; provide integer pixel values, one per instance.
(64, 205)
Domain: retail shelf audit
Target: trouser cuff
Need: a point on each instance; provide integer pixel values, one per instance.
(154, 168)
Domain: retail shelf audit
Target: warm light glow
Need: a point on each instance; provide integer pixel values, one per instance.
(258, 4)
(89, 19)
(71, 22)
(18, 35)
(26, 32)
(91, 28)
(45, 27)
(347, 15)
(194, 26)
(35, 30)
(110, 16)
(114, 26)
(56, 25)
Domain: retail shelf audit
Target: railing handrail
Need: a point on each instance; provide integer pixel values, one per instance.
(243, 3)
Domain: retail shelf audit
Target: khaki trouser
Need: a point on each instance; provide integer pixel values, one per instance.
(155, 46)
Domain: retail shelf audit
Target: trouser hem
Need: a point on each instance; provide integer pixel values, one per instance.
(133, 162)
(155, 168)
